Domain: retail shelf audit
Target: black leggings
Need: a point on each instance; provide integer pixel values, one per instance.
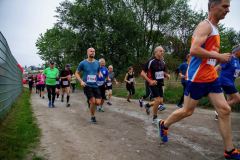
(131, 89)
(182, 98)
(51, 92)
(73, 86)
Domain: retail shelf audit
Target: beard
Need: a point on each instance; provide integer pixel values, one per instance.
(92, 56)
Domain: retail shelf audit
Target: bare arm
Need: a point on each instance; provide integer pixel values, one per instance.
(218, 68)
(115, 80)
(125, 79)
(78, 77)
(150, 82)
(200, 36)
(181, 75)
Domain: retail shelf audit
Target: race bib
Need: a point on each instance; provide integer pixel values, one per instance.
(109, 83)
(57, 82)
(212, 62)
(131, 79)
(91, 78)
(65, 83)
(237, 71)
(100, 83)
(159, 75)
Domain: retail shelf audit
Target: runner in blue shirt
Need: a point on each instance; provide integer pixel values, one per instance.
(101, 82)
(182, 73)
(90, 69)
(228, 73)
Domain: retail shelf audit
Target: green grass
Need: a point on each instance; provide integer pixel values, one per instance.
(19, 133)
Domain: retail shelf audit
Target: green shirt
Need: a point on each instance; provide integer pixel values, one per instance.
(51, 75)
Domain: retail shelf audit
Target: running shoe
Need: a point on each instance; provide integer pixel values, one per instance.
(161, 107)
(162, 131)
(179, 105)
(109, 103)
(140, 103)
(68, 105)
(98, 108)
(43, 97)
(101, 109)
(147, 107)
(93, 120)
(128, 100)
(235, 155)
(49, 104)
(53, 105)
(155, 121)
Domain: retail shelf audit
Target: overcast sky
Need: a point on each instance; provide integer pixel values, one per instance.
(21, 22)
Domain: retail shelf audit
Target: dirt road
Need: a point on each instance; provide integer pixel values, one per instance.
(125, 132)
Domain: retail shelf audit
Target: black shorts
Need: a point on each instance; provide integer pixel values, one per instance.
(91, 92)
(65, 84)
(102, 90)
(41, 87)
(131, 89)
(58, 86)
(109, 85)
(30, 85)
(38, 86)
(156, 91)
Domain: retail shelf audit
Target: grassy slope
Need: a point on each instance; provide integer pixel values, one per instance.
(19, 132)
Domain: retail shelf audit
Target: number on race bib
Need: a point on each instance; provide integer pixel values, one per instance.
(91, 78)
(212, 62)
(237, 71)
(65, 83)
(159, 75)
(109, 84)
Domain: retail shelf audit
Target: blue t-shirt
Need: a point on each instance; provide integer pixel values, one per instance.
(183, 69)
(90, 72)
(101, 80)
(229, 72)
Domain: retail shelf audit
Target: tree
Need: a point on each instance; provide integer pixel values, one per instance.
(125, 32)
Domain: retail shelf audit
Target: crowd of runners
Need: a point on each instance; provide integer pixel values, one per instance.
(204, 72)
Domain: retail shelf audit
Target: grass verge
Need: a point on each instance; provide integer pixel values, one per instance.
(19, 132)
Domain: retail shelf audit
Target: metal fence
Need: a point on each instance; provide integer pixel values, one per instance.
(10, 77)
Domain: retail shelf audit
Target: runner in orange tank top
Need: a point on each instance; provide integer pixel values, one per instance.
(202, 77)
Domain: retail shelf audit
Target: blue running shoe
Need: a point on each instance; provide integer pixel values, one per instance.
(235, 155)
(49, 104)
(162, 131)
(161, 107)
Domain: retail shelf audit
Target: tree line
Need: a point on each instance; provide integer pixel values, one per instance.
(124, 32)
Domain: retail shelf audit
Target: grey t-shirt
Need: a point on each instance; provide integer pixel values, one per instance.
(111, 75)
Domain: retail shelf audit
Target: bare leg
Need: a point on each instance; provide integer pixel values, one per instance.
(223, 110)
(181, 113)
